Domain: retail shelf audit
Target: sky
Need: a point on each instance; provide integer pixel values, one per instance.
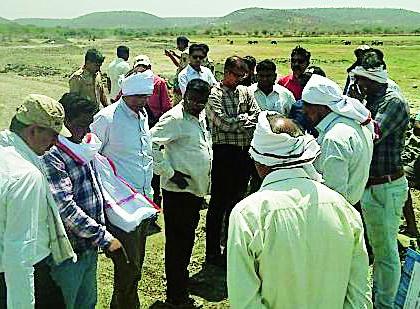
(175, 8)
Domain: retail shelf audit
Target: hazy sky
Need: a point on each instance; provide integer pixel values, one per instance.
(72, 8)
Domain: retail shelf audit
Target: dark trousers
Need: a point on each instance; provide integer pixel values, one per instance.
(157, 198)
(47, 294)
(181, 212)
(128, 275)
(230, 175)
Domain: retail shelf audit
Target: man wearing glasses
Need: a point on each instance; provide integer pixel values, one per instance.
(232, 113)
(194, 69)
(299, 61)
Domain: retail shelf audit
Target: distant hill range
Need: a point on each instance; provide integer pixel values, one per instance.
(251, 19)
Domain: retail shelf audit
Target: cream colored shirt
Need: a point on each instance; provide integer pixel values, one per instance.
(117, 68)
(24, 237)
(279, 100)
(296, 244)
(346, 153)
(187, 149)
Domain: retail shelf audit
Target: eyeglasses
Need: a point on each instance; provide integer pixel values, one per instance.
(239, 76)
(198, 57)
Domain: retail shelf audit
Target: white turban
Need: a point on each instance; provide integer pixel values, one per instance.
(280, 151)
(378, 74)
(139, 83)
(322, 91)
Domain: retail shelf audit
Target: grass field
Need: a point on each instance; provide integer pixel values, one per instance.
(31, 66)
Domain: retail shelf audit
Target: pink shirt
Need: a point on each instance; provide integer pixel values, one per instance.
(159, 102)
(292, 83)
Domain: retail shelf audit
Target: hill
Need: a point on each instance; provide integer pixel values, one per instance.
(4, 21)
(251, 19)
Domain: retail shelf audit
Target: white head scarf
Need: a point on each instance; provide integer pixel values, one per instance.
(139, 83)
(322, 91)
(378, 74)
(280, 151)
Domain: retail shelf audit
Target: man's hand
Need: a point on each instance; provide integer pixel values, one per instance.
(354, 92)
(179, 179)
(167, 52)
(115, 245)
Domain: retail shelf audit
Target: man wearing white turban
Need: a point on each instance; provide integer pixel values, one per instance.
(387, 187)
(345, 139)
(124, 132)
(295, 243)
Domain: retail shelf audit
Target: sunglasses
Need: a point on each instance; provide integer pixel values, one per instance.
(198, 57)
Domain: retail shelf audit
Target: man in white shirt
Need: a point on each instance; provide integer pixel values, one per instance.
(197, 53)
(116, 68)
(123, 129)
(29, 231)
(185, 168)
(295, 243)
(345, 134)
(270, 95)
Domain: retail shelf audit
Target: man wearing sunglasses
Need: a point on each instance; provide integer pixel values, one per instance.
(299, 61)
(232, 113)
(197, 53)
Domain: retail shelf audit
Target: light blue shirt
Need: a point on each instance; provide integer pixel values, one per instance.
(126, 141)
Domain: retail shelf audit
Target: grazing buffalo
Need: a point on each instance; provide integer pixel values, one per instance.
(274, 42)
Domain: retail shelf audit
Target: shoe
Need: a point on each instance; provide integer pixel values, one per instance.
(187, 302)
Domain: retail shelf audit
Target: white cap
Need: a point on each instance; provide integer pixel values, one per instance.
(141, 60)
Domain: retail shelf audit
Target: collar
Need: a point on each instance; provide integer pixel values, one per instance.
(284, 174)
(325, 123)
(276, 89)
(9, 138)
(190, 68)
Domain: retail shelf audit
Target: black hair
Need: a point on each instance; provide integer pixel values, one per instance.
(182, 39)
(94, 55)
(298, 50)
(306, 76)
(251, 62)
(206, 47)
(199, 86)
(266, 65)
(372, 60)
(235, 62)
(122, 51)
(75, 105)
(199, 47)
(16, 126)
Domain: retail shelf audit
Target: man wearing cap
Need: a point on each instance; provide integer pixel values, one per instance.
(345, 135)
(387, 187)
(117, 68)
(87, 80)
(185, 169)
(194, 69)
(32, 236)
(312, 230)
(124, 132)
(78, 193)
(232, 114)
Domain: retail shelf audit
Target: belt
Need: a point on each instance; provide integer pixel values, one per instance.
(384, 179)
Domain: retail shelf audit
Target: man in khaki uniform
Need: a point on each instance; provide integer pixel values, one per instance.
(87, 80)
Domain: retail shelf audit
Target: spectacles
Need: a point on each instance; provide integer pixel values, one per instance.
(239, 76)
(198, 57)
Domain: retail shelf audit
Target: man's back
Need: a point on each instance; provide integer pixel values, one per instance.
(117, 68)
(296, 244)
(346, 146)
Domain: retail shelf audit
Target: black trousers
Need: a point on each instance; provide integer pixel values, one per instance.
(128, 275)
(181, 213)
(230, 176)
(47, 294)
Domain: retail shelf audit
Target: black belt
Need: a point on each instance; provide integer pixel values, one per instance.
(372, 181)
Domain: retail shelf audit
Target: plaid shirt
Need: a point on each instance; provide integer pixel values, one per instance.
(232, 115)
(79, 198)
(391, 111)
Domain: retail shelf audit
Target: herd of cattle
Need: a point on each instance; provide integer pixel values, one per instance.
(345, 42)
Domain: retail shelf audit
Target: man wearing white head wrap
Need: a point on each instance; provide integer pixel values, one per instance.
(387, 187)
(295, 219)
(124, 132)
(346, 144)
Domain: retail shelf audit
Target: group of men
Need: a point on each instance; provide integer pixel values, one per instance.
(312, 157)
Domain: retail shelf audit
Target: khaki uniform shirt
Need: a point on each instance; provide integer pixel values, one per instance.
(88, 85)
